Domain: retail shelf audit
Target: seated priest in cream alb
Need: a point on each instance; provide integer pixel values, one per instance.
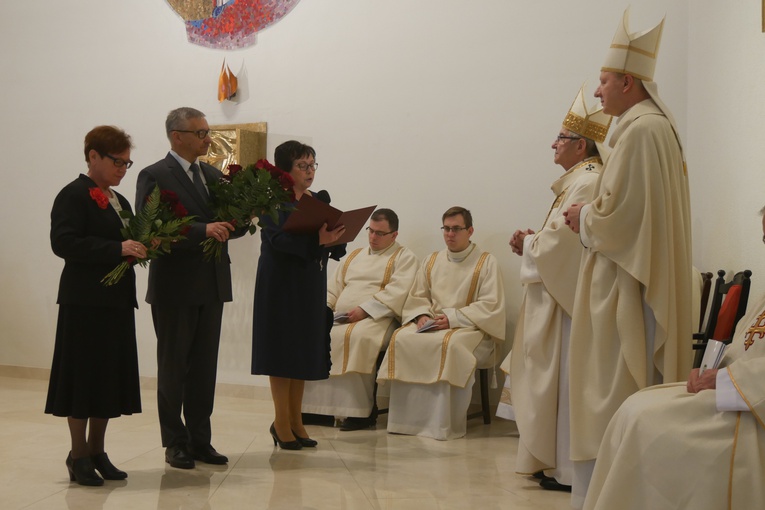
(698, 445)
(367, 296)
(458, 304)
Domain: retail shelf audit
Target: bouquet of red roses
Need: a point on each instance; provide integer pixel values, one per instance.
(162, 221)
(243, 195)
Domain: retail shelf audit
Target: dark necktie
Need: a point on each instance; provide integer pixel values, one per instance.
(198, 181)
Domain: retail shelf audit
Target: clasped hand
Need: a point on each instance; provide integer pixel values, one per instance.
(516, 242)
(572, 217)
(440, 321)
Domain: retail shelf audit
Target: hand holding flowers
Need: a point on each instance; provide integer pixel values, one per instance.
(162, 221)
(244, 195)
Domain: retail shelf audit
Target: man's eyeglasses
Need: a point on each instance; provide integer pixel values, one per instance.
(378, 233)
(564, 137)
(119, 162)
(305, 166)
(456, 230)
(201, 133)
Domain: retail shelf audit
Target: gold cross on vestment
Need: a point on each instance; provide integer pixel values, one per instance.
(758, 328)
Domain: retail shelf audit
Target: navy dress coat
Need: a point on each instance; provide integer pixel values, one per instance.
(291, 320)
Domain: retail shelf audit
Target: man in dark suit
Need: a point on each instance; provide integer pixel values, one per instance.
(186, 294)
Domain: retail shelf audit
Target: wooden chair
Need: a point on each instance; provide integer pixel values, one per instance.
(729, 302)
(706, 287)
(485, 412)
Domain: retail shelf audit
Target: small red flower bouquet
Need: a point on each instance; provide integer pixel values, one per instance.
(243, 195)
(162, 221)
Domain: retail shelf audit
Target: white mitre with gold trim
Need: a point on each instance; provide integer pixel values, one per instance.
(635, 53)
(589, 124)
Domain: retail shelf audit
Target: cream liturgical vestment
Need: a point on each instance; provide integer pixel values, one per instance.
(535, 363)
(467, 288)
(666, 448)
(378, 282)
(637, 264)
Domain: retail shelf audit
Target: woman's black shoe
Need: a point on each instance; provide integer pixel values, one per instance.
(104, 466)
(284, 445)
(82, 471)
(305, 441)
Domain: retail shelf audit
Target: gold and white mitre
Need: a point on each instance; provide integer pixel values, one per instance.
(634, 54)
(589, 124)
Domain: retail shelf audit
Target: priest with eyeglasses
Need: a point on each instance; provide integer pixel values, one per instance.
(367, 295)
(453, 318)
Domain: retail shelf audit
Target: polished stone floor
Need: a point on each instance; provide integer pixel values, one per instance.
(349, 470)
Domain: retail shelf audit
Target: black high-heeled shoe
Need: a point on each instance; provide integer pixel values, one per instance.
(104, 466)
(305, 441)
(284, 445)
(82, 471)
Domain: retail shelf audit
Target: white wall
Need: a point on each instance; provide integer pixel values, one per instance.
(726, 130)
(413, 105)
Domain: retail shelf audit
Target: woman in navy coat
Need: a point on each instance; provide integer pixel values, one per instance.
(291, 320)
(94, 375)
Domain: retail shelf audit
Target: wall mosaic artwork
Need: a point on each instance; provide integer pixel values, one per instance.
(228, 24)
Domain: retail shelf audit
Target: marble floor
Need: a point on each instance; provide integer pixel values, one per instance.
(349, 470)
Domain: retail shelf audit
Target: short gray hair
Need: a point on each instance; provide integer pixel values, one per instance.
(177, 118)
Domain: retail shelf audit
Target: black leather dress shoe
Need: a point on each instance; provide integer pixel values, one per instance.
(351, 423)
(208, 455)
(551, 484)
(178, 457)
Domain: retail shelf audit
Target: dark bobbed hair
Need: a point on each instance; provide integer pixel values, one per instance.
(457, 210)
(288, 152)
(387, 215)
(107, 140)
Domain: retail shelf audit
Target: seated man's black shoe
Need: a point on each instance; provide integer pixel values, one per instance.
(351, 423)
(178, 457)
(318, 419)
(551, 484)
(208, 455)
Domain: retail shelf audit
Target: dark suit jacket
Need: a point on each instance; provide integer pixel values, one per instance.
(89, 239)
(183, 277)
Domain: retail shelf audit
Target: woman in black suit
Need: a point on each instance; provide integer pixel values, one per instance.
(291, 319)
(94, 375)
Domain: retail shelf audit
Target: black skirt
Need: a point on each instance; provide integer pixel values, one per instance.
(95, 363)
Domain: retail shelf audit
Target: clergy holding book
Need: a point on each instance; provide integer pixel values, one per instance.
(697, 445)
(291, 321)
(367, 295)
(431, 373)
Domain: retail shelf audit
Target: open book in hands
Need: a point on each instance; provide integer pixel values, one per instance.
(311, 213)
(712, 355)
(429, 324)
